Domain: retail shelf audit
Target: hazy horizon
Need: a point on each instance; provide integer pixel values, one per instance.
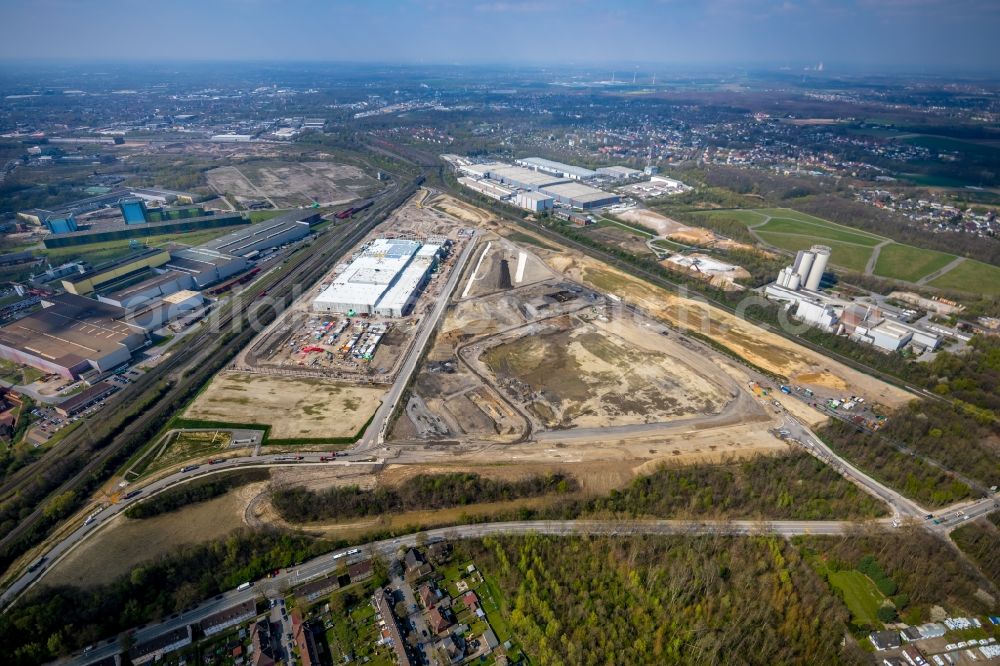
(870, 35)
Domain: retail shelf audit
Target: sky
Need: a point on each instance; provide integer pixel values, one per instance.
(917, 35)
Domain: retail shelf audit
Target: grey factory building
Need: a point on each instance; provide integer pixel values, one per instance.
(286, 228)
(72, 335)
(205, 266)
(579, 195)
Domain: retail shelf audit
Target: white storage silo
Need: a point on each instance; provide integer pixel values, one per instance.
(794, 282)
(822, 253)
(782, 277)
(803, 263)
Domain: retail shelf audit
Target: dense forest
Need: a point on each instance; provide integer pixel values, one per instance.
(789, 487)
(980, 540)
(200, 490)
(667, 600)
(908, 474)
(921, 565)
(424, 491)
(960, 433)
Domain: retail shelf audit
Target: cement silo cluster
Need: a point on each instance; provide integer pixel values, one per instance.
(807, 270)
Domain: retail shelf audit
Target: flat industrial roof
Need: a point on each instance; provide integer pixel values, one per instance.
(578, 192)
(139, 287)
(124, 261)
(72, 329)
(198, 258)
(397, 295)
(526, 177)
(535, 196)
(237, 241)
(552, 165)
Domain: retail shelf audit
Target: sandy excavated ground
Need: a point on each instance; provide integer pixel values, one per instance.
(459, 209)
(293, 407)
(679, 232)
(763, 348)
(586, 376)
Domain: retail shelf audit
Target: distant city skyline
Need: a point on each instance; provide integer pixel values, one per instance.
(934, 35)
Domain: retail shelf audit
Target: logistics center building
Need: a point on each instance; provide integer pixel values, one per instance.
(385, 279)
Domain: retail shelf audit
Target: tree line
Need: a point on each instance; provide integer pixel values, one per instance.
(200, 490)
(424, 491)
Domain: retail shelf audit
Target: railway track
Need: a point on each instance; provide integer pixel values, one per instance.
(168, 386)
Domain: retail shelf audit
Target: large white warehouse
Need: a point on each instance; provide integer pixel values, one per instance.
(384, 279)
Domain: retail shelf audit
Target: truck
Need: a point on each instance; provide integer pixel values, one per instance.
(189, 468)
(244, 586)
(134, 493)
(786, 389)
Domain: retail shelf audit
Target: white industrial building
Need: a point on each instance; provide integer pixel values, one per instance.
(556, 168)
(811, 307)
(487, 188)
(619, 172)
(385, 279)
(536, 202)
(806, 272)
(578, 195)
(669, 183)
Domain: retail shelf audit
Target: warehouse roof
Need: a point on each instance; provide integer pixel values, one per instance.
(155, 281)
(577, 192)
(400, 293)
(124, 261)
(536, 196)
(70, 330)
(525, 177)
(240, 242)
(558, 167)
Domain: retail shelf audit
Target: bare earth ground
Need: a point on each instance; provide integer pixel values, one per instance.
(584, 375)
(292, 183)
(293, 407)
(680, 232)
(763, 348)
(125, 543)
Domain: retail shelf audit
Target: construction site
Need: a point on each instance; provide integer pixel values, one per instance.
(525, 351)
(357, 324)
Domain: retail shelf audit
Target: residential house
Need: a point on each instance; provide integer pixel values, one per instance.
(359, 571)
(265, 649)
(384, 606)
(438, 551)
(439, 620)
(155, 648)
(884, 640)
(305, 640)
(318, 588)
(413, 560)
(471, 601)
(229, 617)
(428, 597)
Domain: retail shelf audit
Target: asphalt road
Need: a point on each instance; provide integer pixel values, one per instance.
(375, 434)
(325, 564)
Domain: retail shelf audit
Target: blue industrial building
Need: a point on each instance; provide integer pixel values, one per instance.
(61, 225)
(133, 210)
